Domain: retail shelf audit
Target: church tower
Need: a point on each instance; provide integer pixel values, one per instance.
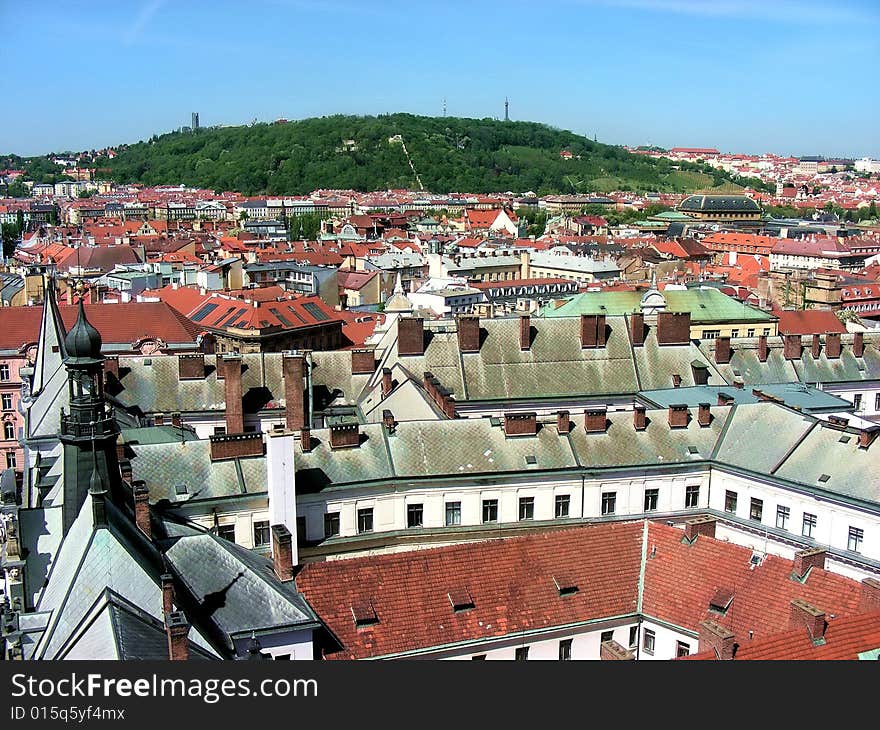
(88, 431)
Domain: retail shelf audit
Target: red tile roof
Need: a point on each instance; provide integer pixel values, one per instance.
(808, 322)
(511, 581)
(845, 638)
(118, 323)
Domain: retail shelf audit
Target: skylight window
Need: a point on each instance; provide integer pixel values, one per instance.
(461, 599)
(721, 600)
(824, 478)
(565, 584)
(364, 614)
(180, 489)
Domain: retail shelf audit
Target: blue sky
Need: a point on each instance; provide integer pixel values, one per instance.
(787, 76)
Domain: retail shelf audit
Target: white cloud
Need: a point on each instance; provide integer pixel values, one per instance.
(141, 20)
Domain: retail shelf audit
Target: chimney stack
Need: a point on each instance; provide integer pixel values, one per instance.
(816, 347)
(167, 593)
(236, 445)
(111, 366)
(704, 415)
(676, 380)
(175, 419)
(158, 419)
(673, 328)
(718, 638)
(410, 336)
(637, 329)
(858, 346)
(469, 333)
(363, 361)
(724, 399)
(387, 384)
(191, 367)
(388, 420)
(763, 348)
(640, 417)
(142, 508)
(806, 614)
(525, 332)
(305, 437)
(344, 435)
(866, 437)
(612, 651)
(700, 372)
(563, 422)
(232, 382)
(700, 526)
(832, 345)
(870, 596)
(806, 559)
(177, 630)
(592, 330)
(722, 350)
(293, 368)
(678, 416)
(282, 552)
(792, 347)
(595, 420)
(520, 424)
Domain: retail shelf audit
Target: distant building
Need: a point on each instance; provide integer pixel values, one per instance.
(195, 121)
(721, 208)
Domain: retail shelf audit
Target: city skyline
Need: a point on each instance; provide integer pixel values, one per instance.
(296, 60)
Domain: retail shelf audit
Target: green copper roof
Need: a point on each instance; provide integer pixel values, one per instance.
(706, 305)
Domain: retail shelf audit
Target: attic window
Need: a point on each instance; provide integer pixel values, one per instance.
(565, 584)
(824, 478)
(531, 460)
(180, 489)
(693, 450)
(844, 439)
(148, 361)
(461, 599)
(721, 600)
(364, 614)
(495, 420)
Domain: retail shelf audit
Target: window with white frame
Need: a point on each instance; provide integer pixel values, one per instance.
(453, 513)
(782, 515)
(651, 496)
(526, 508)
(855, 539)
(648, 641)
(609, 503)
(563, 503)
(809, 525)
(692, 495)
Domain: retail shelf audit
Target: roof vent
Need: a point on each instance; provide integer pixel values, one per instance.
(565, 584)
(461, 599)
(364, 614)
(824, 478)
(721, 600)
(180, 489)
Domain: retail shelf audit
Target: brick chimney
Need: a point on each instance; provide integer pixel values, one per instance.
(175, 418)
(832, 345)
(816, 347)
(111, 366)
(125, 470)
(718, 638)
(866, 438)
(676, 380)
(363, 361)
(673, 328)
(387, 383)
(724, 399)
(806, 559)
(700, 372)
(293, 368)
(563, 421)
(282, 552)
(595, 420)
(236, 445)
(525, 332)
(142, 508)
(410, 336)
(468, 333)
(305, 437)
(792, 347)
(191, 367)
(869, 600)
(167, 593)
(700, 526)
(232, 383)
(806, 614)
(158, 419)
(858, 345)
(722, 350)
(637, 329)
(640, 418)
(177, 630)
(763, 348)
(592, 330)
(704, 415)
(344, 435)
(678, 416)
(520, 424)
(612, 651)
(388, 420)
